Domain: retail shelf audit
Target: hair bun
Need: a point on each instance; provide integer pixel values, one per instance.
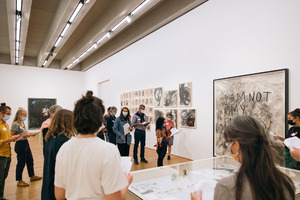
(3, 104)
(297, 110)
(89, 94)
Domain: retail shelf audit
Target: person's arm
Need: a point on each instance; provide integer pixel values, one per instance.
(121, 194)
(12, 139)
(116, 127)
(109, 123)
(295, 153)
(197, 195)
(60, 193)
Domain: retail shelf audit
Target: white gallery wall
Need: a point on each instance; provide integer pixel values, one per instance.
(18, 83)
(218, 39)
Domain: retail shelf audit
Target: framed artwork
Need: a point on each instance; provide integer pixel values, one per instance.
(38, 111)
(185, 94)
(158, 99)
(263, 96)
(157, 114)
(171, 98)
(150, 92)
(187, 118)
(174, 113)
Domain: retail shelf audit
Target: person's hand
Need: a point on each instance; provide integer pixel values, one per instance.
(147, 124)
(295, 153)
(197, 195)
(27, 136)
(15, 137)
(129, 177)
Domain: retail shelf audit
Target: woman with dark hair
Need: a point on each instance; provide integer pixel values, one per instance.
(162, 144)
(86, 166)
(123, 140)
(60, 131)
(258, 178)
(5, 150)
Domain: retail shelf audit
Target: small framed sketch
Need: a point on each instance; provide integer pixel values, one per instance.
(185, 94)
(171, 98)
(187, 118)
(158, 98)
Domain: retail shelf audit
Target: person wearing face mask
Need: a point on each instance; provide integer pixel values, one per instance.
(140, 122)
(123, 140)
(110, 120)
(169, 125)
(5, 150)
(258, 177)
(22, 148)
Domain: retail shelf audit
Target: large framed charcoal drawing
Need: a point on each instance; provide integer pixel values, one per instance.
(185, 94)
(171, 98)
(262, 95)
(187, 118)
(38, 111)
(158, 99)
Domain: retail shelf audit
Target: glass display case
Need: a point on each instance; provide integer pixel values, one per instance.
(176, 182)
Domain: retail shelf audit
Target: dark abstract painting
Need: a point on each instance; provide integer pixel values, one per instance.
(170, 98)
(187, 118)
(185, 94)
(261, 95)
(38, 111)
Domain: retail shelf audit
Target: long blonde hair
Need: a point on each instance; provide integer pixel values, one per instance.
(61, 123)
(20, 111)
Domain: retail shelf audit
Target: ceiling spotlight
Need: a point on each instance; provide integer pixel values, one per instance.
(86, 1)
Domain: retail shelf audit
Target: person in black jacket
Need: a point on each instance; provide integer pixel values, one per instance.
(110, 120)
(60, 131)
(162, 144)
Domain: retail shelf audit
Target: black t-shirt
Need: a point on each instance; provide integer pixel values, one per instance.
(294, 131)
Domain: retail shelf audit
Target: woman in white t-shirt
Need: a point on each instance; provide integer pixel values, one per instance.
(86, 166)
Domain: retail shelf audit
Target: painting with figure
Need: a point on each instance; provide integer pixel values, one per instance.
(187, 118)
(174, 114)
(38, 111)
(157, 114)
(185, 94)
(170, 98)
(158, 99)
(261, 95)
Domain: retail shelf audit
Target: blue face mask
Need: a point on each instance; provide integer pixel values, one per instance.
(6, 117)
(24, 118)
(125, 114)
(114, 114)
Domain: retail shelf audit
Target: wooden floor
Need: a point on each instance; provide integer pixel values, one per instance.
(33, 192)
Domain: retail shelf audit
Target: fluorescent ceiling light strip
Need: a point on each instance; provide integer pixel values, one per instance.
(77, 60)
(120, 23)
(18, 31)
(17, 54)
(94, 46)
(17, 60)
(69, 65)
(58, 41)
(65, 30)
(75, 13)
(84, 53)
(45, 62)
(19, 5)
(17, 45)
(140, 7)
(102, 38)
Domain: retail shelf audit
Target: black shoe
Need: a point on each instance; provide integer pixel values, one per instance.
(169, 157)
(136, 162)
(144, 160)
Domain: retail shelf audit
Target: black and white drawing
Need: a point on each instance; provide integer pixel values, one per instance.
(158, 99)
(187, 118)
(263, 96)
(170, 98)
(185, 94)
(174, 113)
(38, 111)
(157, 114)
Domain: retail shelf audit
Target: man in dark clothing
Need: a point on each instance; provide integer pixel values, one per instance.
(110, 120)
(140, 123)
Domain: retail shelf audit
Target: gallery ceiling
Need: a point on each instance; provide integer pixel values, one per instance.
(101, 28)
